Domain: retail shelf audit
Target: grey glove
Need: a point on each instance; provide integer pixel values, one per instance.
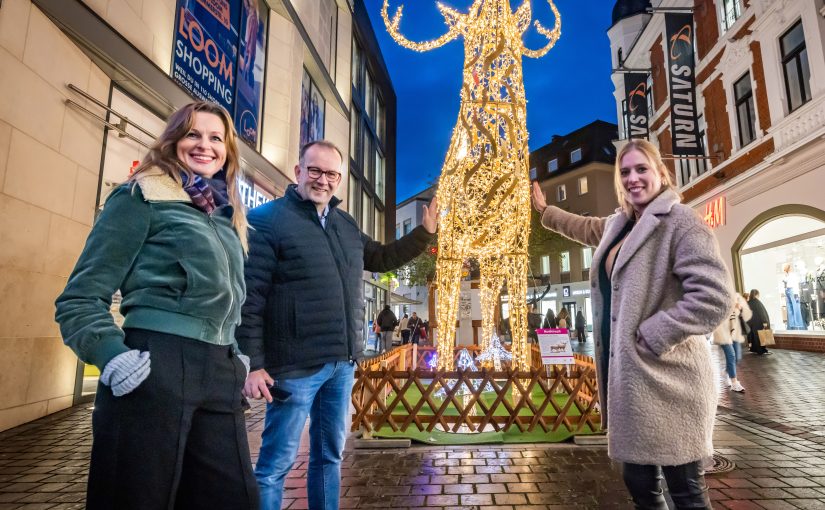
(245, 360)
(126, 371)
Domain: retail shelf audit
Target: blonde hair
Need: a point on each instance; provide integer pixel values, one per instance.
(651, 152)
(163, 155)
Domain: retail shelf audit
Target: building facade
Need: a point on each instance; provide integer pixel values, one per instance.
(87, 85)
(408, 214)
(760, 105)
(575, 172)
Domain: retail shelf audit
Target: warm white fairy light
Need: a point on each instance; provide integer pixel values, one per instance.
(495, 352)
(484, 188)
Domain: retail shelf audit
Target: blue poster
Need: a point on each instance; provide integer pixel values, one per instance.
(250, 70)
(206, 49)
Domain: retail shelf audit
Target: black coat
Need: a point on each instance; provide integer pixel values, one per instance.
(386, 320)
(759, 317)
(305, 292)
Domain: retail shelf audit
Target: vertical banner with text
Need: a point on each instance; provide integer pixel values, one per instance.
(206, 43)
(684, 124)
(635, 87)
(252, 52)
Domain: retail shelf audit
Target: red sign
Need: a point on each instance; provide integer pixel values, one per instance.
(715, 213)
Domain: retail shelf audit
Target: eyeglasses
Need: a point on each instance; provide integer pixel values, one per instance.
(315, 173)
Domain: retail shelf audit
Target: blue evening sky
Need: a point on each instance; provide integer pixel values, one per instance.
(566, 89)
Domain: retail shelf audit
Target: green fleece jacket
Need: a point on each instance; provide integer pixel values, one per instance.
(179, 270)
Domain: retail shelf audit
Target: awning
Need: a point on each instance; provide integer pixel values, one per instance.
(398, 299)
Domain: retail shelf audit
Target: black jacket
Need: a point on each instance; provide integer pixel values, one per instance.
(759, 317)
(386, 320)
(305, 292)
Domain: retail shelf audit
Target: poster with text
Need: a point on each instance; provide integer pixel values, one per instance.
(251, 58)
(205, 55)
(555, 347)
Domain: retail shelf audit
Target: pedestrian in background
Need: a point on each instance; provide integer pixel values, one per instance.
(403, 327)
(168, 424)
(658, 286)
(759, 321)
(563, 318)
(303, 320)
(533, 323)
(414, 326)
(386, 322)
(730, 335)
(549, 320)
(581, 327)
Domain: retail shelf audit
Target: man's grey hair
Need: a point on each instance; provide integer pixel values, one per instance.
(321, 143)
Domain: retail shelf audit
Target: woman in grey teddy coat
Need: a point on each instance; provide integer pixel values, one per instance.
(658, 286)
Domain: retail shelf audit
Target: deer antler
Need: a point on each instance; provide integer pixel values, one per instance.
(453, 18)
(552, 35)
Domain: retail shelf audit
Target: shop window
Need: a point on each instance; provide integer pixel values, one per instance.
(745, 114)
(561, 193)
(575, 156)
(582, 185)
(784, 260)
(565, 262)
(545, 265)
(795, 67)
(553, 165)
(731, 11)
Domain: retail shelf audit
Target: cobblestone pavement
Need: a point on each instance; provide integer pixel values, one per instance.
(774, 433)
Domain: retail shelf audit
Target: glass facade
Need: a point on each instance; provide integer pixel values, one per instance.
(785, 261)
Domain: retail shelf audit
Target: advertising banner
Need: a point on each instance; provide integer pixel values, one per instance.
(205, 50)
(251, 58)
(684, 125)
(635, 86)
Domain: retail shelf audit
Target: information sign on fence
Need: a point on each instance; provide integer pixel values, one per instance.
(555, 347)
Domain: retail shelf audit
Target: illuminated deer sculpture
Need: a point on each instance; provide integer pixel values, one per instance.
(484, 189)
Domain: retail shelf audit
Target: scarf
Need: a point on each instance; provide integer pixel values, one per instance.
(206, 194)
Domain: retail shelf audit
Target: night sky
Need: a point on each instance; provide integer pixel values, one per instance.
(566, 89)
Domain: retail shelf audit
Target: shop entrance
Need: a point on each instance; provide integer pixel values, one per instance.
(784, 259)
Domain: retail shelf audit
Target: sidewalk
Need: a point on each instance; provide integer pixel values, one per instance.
(774, 433)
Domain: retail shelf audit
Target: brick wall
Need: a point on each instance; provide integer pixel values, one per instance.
(657, 65)
(707, 26)
(761, 92)
(810, 343)
(716, 119)
(742, 164)
(666, 147)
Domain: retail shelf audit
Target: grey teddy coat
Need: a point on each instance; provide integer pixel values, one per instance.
(670, 286)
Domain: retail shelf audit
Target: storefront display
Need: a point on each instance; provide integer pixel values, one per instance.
(785, 261)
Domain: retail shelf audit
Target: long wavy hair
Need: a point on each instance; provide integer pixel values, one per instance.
(653, 155)
(163, 156)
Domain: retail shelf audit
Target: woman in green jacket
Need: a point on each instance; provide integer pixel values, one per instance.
(168, 422)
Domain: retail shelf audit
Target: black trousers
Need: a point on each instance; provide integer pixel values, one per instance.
(686, 484)
(179, 440)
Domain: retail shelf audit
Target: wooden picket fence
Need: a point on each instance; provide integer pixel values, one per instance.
(398, 390)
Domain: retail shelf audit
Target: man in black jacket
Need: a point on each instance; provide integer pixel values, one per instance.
(387, 321)
(305, 266)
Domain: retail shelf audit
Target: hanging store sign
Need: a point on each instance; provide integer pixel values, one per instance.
(684, 125)
(635, 86)
(715, 213)
(219, 56)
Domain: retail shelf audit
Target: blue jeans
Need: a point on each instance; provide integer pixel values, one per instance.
(733, 353)
(324, 397)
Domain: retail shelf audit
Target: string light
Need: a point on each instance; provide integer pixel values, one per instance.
(495, 352)
(484, 189)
